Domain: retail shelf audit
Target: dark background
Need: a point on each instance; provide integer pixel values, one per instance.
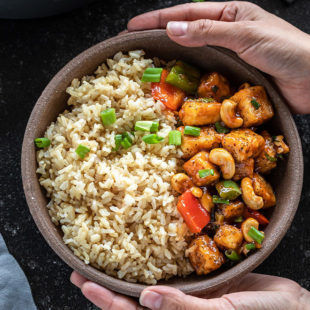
(31, 52)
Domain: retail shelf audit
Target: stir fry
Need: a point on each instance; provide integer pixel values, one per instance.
(223, 193)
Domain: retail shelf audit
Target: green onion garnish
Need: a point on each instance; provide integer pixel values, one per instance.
(127, 135)
(108, 117)
(152, 75)
(215, 88)
(118, 139)
(232, 255)
(82, 150)
(255, 104)
(221, 128)
(274, 138)
(125, 143)
(256, 235)
(175, 137)
(206, 99)
(250, 246)
(42, 142)
(152, 139)
(147, 126)
(280, 156)
(238, 219)
(192, 131)
(205, 173)
(270, 158)
(217, 199)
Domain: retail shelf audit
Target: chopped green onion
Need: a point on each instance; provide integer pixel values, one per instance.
(270, 158)
(125, 143)
(221, 128)
(108, 117)
(238, 219)
(118, 139)
(274, 138)
(255, 104)
(42, 142)
(175, 137)
(206, 99)
(82, 150)
(280, 156)
(215, 88)
(192, 131)
(127, 135)
(152, 139)
(256, 235)
(205, 173)
(152, 75)
(232, 255)
(147, 126)
(217, 199)
(250, 246)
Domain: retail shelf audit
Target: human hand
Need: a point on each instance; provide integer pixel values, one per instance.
(252, 292)
(259, 38)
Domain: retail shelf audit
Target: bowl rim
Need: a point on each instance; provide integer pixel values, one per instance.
(122, 286)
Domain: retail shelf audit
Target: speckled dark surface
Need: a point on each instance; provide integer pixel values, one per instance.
(31, 52)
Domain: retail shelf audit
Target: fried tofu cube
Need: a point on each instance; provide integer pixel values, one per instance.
(244, 169)
(243, 144)
(253, 105)
(200, 162)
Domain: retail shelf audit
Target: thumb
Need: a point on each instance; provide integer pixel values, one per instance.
(168, 298)
(205, 31)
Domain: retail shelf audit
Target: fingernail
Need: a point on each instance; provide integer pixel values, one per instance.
(177, 28)
(151, 300)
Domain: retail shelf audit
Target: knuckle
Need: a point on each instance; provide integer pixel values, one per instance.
(201, 26)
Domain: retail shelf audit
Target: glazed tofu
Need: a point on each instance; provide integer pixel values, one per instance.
(207, 140)
(204, 255)
(214, 85)
(200, 162)
(199, 112)
(267, 159)
(263, 189)
(228, 237)
(244, 169)
(253, 105)
(232, 209)
(243, 144)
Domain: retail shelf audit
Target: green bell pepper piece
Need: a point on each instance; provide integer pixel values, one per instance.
(228, 189)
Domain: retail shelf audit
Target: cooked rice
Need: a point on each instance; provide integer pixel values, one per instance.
(116, 209)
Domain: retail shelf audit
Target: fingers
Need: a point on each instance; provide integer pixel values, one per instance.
(106, 299)
(168, 298)
(205, 31)
(77, 279)
(221, 11)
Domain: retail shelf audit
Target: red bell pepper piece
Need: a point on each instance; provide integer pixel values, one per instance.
(255, 215)
(171, 96)
(194, 215)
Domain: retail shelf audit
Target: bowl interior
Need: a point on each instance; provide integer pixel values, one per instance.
(286, 180)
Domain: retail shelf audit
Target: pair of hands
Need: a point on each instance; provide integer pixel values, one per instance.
(273, 46)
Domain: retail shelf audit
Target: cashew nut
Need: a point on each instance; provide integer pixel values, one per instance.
(207, 202)
(181, 182)
(246, 226)
(224, 159)
(196, 191)
(228, 114)
(253, 201)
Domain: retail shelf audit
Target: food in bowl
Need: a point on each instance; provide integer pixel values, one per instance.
(143, 170)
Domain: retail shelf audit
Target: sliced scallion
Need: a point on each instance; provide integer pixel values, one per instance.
(192, 131)
(152, 75)
(147, 126)
(217, 199)
(205, 173)
(270, 158)
(125, 143)
(82, 150)
(128, 136)
(238, 219)
(250, 246)
(175, 137)
(108, 117)
(42, 142)
(152, 139)
(232, 255)
(118, 139)
(256, 235)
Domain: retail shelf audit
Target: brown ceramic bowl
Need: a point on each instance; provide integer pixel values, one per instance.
(287, 179)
